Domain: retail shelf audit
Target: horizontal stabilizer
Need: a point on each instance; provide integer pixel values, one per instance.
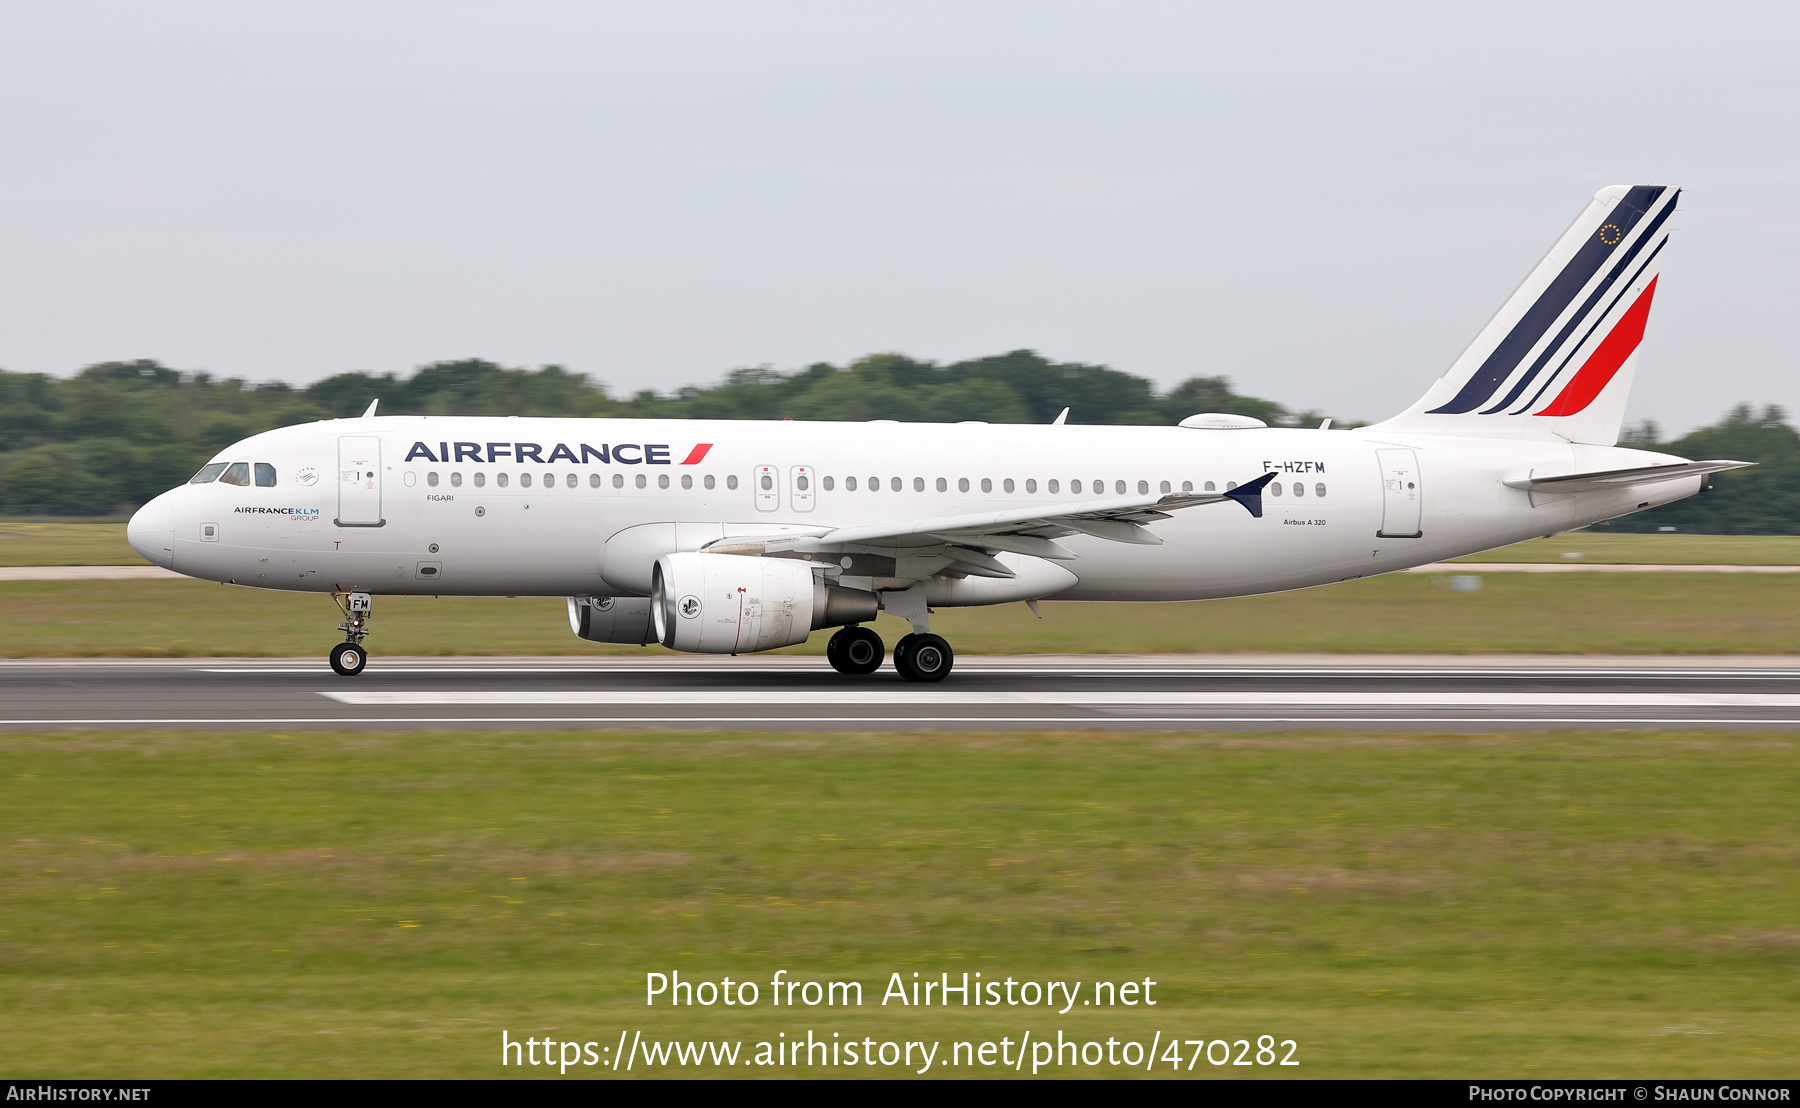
(1619, 478)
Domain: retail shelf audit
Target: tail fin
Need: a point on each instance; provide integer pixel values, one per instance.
(1558, 357)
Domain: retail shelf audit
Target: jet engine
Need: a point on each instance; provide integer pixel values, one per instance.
(732, 604)
(624, 619)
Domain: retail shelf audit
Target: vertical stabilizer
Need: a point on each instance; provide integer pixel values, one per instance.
(1558, 357)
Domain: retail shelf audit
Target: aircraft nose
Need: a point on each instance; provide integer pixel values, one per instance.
(151, 532)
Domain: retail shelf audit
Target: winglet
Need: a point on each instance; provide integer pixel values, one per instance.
(1060, 419)
(1249, 494)
(371, 410)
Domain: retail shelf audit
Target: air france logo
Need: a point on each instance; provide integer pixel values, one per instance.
(624, 453)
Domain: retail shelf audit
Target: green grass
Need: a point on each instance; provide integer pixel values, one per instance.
(384, 905)
(40, 542)
(1603, 546)
(1401, 613)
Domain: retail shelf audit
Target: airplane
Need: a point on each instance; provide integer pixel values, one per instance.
(736, 536)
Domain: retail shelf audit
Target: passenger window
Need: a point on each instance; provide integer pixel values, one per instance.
(801, 482)
(431, 478)
(238, 473)
(1119, 488)
(962, 484)
(618, 480)
(265, 475)
(501, 479)
(549, 480)
(1229, 485)
(1187, 486)
(593, 480)
(1318, 490)
(731, 481)
(1299, 488)
(988, 485)
(480, 480)
(895, 484)
(687, 480)
(849, 484)
(1144, 486)
(524, 480)
(1211, 488)
(1050, 486)
(573, 480)
(1074, 486)
(662, 480)
(456, 480)
(830, 483)
(918, 484)
(708, 481)
(208, 474)
(768, 482)
(641, 482)
(1274, 488)
(942, 485)
(1165, 487)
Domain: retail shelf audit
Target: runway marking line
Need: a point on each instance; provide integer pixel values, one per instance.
(375, 698)
(1099, 721)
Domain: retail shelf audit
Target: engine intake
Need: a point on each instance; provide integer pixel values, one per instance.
(729, 604)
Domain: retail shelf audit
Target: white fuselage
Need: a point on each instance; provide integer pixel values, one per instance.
(350, 511)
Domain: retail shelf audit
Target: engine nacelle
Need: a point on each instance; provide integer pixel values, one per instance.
(731, 604)
(621, 619)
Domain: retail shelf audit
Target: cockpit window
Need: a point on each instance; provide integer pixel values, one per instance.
(208, 473)
(238, 473)
(265, 475)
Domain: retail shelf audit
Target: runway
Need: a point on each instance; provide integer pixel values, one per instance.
(1163, 693)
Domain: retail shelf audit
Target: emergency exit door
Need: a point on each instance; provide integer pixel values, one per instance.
(359, 481)
(1400, 494)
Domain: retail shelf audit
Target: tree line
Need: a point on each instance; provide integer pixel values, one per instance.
(116, 434)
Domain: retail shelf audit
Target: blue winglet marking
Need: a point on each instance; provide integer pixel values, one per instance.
(1249, 494)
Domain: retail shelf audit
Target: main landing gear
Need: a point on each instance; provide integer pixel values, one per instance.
(348, 657)
(855, 650)
(923, 657)
(917, 657)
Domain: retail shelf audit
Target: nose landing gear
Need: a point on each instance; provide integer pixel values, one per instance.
(348, 657)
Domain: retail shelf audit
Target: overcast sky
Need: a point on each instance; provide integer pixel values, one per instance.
(1322, 202)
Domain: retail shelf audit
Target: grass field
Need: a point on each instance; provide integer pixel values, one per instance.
(1626, 549)
(384, 905)
(1514, 613)
(39, 542)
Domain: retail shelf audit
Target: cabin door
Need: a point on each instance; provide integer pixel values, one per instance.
(359, 481)
(1400, 494)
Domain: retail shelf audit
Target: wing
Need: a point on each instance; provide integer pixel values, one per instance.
(968, 541)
